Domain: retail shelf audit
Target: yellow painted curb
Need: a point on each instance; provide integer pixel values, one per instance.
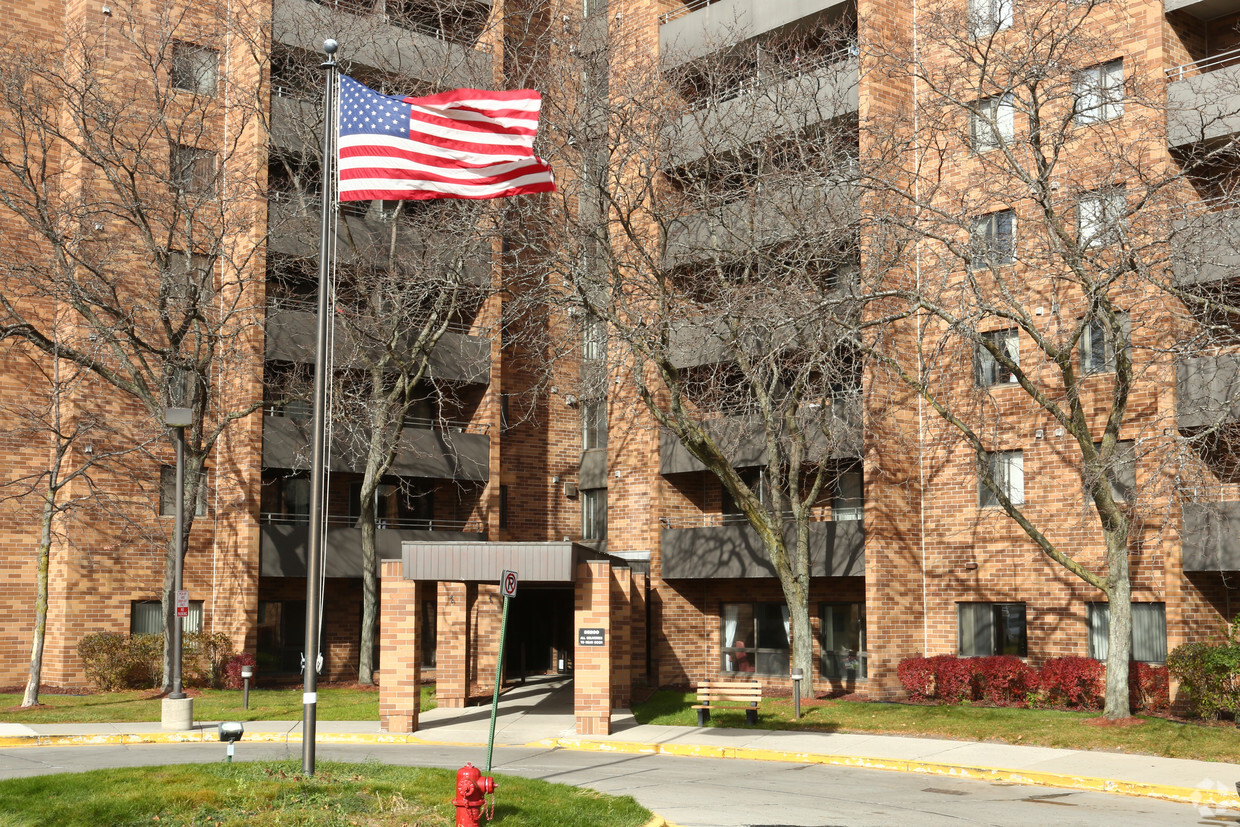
(1167, 792)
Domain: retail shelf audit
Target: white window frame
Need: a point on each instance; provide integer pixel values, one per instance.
(989, 371)
(839, 660)
(1097, 350)
(986, 17)
(1099, 92)
(146, 617)
(980, 622)
(594, 424)
(848, 494)
(1100, 217)
(195, 68)
(993, 122)
(990, 243)
(168, 495)
(594, 514)
(1007, 469)
(191, 169)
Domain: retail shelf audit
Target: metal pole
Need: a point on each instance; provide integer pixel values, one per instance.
(178, 577)
(499, 670)
(314, 553)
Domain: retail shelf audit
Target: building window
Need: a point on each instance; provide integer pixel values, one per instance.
(593, 424)
(1099, 92)
(146, 618)
(991, 629)
(1098, 348)
(188, 281)
(194, 68)
(993, 240)
(755, 481)
(993, 122)
(848, 494)
(1149, 631)
(281, 635)
(1100, 218)
(428, 633)
(1123, 470)
(991, 371)
(594, 339)
(594, 514)
(842, 640)
(168, 493)
(1007, 470)
(286, 499)
(755, 638)
(989, 16)
(505, 414)
(192, 169)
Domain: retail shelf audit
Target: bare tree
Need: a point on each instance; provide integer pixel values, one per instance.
(408, 273)
(710, 259)
(1038, 272)
(129, 160)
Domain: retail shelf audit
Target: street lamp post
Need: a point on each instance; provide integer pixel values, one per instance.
(178, 710)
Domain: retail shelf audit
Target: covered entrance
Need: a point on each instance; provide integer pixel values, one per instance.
(575, 609)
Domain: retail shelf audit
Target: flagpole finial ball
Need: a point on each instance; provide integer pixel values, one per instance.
(330, 46)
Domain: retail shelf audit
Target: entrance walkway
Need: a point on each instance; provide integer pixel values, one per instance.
(541, 708)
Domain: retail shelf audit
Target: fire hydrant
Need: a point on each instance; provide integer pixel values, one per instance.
(472, 788)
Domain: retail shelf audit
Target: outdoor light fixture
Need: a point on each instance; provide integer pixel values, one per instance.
(797, 674)
(231, 731)
(247, 672)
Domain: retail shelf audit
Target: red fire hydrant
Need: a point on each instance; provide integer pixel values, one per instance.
(472, 788)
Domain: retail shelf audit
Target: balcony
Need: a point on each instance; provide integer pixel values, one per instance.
(742, 439)
(457, 357)
(1211, 534)
(762, 221)
(364, 234)
(1203, 100)
(1206, 247)
(700, 27)
(446, 451)
(284, 542)
(1202, 9)
(375, 39)
(766, 107)
(837, 549)
(1207, 391)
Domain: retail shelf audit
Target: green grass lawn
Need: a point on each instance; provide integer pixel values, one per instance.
(1040, 727)
(276, 793)
(334, 704)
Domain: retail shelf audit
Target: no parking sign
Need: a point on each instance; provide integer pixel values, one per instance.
(509, 583)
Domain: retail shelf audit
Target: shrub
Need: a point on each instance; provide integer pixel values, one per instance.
(105, 656)
(1148, 689)
(1209, 674)
(232, 670)
(146, 658)
(1078, 683)
(917, 677)
(1002, 680)
(952, 679)
(205, 656)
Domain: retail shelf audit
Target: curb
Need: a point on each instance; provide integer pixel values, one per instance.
(1167, 792)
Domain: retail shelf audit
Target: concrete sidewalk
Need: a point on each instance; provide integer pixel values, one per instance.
(540, 714)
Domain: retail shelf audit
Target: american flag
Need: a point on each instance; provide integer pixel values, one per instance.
(465, 143)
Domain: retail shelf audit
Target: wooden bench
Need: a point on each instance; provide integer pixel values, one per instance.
(712, 693)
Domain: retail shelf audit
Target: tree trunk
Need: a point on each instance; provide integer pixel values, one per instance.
(802, 641)
(31, 696)
(1119, 645)
(370, 584)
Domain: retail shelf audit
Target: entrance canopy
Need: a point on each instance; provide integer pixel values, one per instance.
(484, 562)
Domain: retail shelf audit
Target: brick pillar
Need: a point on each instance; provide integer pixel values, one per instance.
(401, 678)
(621, 637)
(637, 630)
(486, 617)
(452, 645)
(592, 664)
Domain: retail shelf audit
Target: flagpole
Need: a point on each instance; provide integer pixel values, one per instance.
(314, 551)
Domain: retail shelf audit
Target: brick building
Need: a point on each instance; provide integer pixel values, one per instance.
(614, 525)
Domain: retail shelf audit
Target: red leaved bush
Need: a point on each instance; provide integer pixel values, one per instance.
(1148, 688)
(233, 670)
(917, 677)
(1002, 680)
(1078, 683)
(952, 679)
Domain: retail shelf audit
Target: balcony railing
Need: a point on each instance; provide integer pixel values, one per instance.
(772, 75)
(687, 8)
(818, 514)
(350, 521)
(1206, 64)
(303, 410)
